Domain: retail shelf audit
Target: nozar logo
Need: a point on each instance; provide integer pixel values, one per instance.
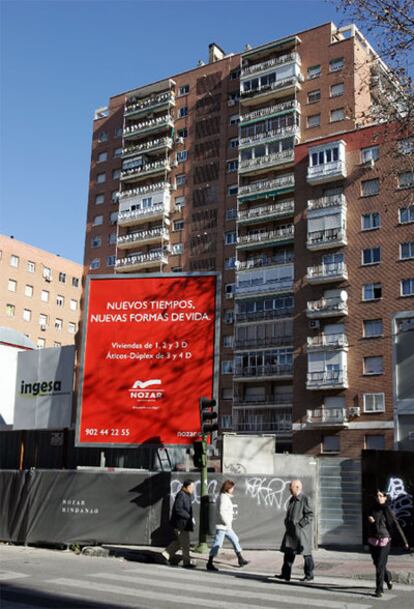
(140, 390)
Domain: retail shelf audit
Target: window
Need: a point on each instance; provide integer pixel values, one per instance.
(112, 238)
(234, 142)
(407, 287)
(110, 260)
(179, 203)
(101, 178)
(373, 328)
(406, 179)
(118, 132)
(228, 341)
(314, 120)
(95, 263)
(231, 213)
(31, 267)
(181, 156)
(234, 119)
(75, 282)
(232, 190)
(180, 179)
(373, 402)
(103, 136)
(71, 327)
(374, 364)
(14, 261)
(27, 314)
(47, 273)
(41, 343)
(226, 421)
(10, 310)
(228, 316)
(370, 187)
(102, 156)
(407, 250)
(62, 277)
(60, 300)
(232, 166)
(337, 115)
(99, 199)
(58, 324)
(336, 64)
(314, 96)
(331, 444)
(116, 174)
(376, 442)
(184, 90)
(370, 221)
(406, 214)
(235, 74)
(406, 146)
(177, 248)
(117, 153)
(28, 290)
(12, 285)
(96, 242)
(73, 304)
(114, 196)
(182, 132)
(97, 220)
(371, 291)
(183, 111)
(56, 344)
(113, 217)
(42, 320)
(229, 263)
(230, 238)
(44, 296)
(337, 90)
(314, 72)
(178, 225)
(229, 290)
(227, 393)
(227, 366)
(371, 255)
(369, 154)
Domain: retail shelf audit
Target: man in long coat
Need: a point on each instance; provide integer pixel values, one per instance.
(298, 538)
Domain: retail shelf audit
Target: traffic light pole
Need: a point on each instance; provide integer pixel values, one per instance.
(202, 546)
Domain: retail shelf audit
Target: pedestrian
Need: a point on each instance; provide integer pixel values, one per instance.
(182, 523)
(224, 526)
(298, 538)
(381, 523)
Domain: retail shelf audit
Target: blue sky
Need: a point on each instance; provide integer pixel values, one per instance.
(61, 59)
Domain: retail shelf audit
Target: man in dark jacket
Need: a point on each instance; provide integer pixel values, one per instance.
(298, 538)
(182, 522)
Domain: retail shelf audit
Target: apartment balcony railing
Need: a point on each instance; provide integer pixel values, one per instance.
(131, 217)
(268, 370)
(262, 261)
(326, 273)
(270, 63)
(264, 113)
(254, 316)
(266, 238)
(282, 425)
(266, 162)
(326, 172)
(266, 188)
(137, 173)
(327, 417)
(263, 341)
(275, 89)
(264, 212)
(150, 104)
(324, 239)
(260, 287)
(144, 190)
(327, 341)
(152, 146)
(279, 399)
(268, 136)
(326, 307)
(327, 202)
(143, 236)
(140, 261)
(327, 379)
(154, 124)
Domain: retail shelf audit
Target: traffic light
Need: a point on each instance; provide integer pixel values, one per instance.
(199, 458)
(208, 415)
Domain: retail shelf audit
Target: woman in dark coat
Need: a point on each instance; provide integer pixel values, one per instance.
(381, 523)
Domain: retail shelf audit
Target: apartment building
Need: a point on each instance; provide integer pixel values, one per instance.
(268, 167)
(40, 293)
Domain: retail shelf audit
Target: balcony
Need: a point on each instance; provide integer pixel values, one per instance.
(150, 189)
(142, 129)
(148, 147)
(278, 425)
(265, 239)
(326, 307)
(269, 136)
(263, 261)
(327, 202)
(266, 188)
(265, 66)
(326, 172)
(141, 261)
(263, 341)
(327, 238)
(270, 112)
(326, 417)
(327, 273)
(327, 379)
(264, 163)
(154, 235)
(149, 104)
(256, 215)
(147, 214)
(149, 169)
(273, 401)
(326, 342)
(280, 88)
(255, 316)
(269, 371)
(260, 287)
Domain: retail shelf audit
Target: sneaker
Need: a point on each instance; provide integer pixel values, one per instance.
(165, 555)
(307, 578)
(378, 593)
(280, 576)
(389, 585)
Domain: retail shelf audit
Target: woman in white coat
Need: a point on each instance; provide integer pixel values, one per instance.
(224, 526)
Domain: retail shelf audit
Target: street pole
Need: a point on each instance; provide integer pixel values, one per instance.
(202, 546)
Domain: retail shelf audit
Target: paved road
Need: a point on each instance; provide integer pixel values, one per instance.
(37, 578)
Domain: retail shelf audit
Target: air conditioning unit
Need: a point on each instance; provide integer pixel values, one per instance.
(43, 328)
(354, 411)
(369, 164)
(231, 102)
(229, 295)
(179, 140)
(314, 324)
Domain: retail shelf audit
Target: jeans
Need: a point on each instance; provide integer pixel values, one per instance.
(182, 540)
(289, 559)
(219, 539)
(380, 558)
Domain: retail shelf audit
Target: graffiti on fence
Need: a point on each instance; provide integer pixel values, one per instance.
(401, 501)
(271, 492)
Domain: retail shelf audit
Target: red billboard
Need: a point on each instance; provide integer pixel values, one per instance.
(148, 355)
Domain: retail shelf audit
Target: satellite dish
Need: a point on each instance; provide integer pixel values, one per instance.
(343, 295)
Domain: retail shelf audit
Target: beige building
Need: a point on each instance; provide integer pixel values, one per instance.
(40, 293)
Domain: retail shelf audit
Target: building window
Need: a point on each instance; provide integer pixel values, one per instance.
(31, 266)
(371, 255)
(75, 282)
(179, 203)
(103, 136)
(42, 321)
(406, 179)
(97, 220)
(182, 133)
(337, 90)
(234, 119)
(314, 96)
(228, 316)
(183, 90)
(369, 154)
(231, 213)
(230, 238)
(112, 238)
(376, 442)
(12, 285)
(373, 328)
(114, 196)
(73, 305)
(374, 364)
(180, 179)
(407, 287)
(370, 187)
(95, 263)
(62, 277)
(314, 72)
(227, 366)
(44, 296)
(232, 190)
(336, 64)
(113, 217)
(232, 166)
(99, 199)
(370, 221)
(337, 115)
(406, 214)
(178, 225)
(47, 273)
(58, 324)
(118, 132)
(331, 444)
(406, 146)
(117, 153)
(407, 250)
(28, 290)
(56, 344)
(374, 402)
(235, 74)
(234, 143)
(27, 314)
(181, 156)
(101, 178)
(183, 111)
(71, 327)
(102, 156)
(228, 341)
(177, 248)
(10, 310)
(110, 260)
(314, 120)
(371, 291)
(229, 290)
(96, 242)
(116, 174)
(14, 261)
(60, 300)
(41, 343)
(230, 263)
